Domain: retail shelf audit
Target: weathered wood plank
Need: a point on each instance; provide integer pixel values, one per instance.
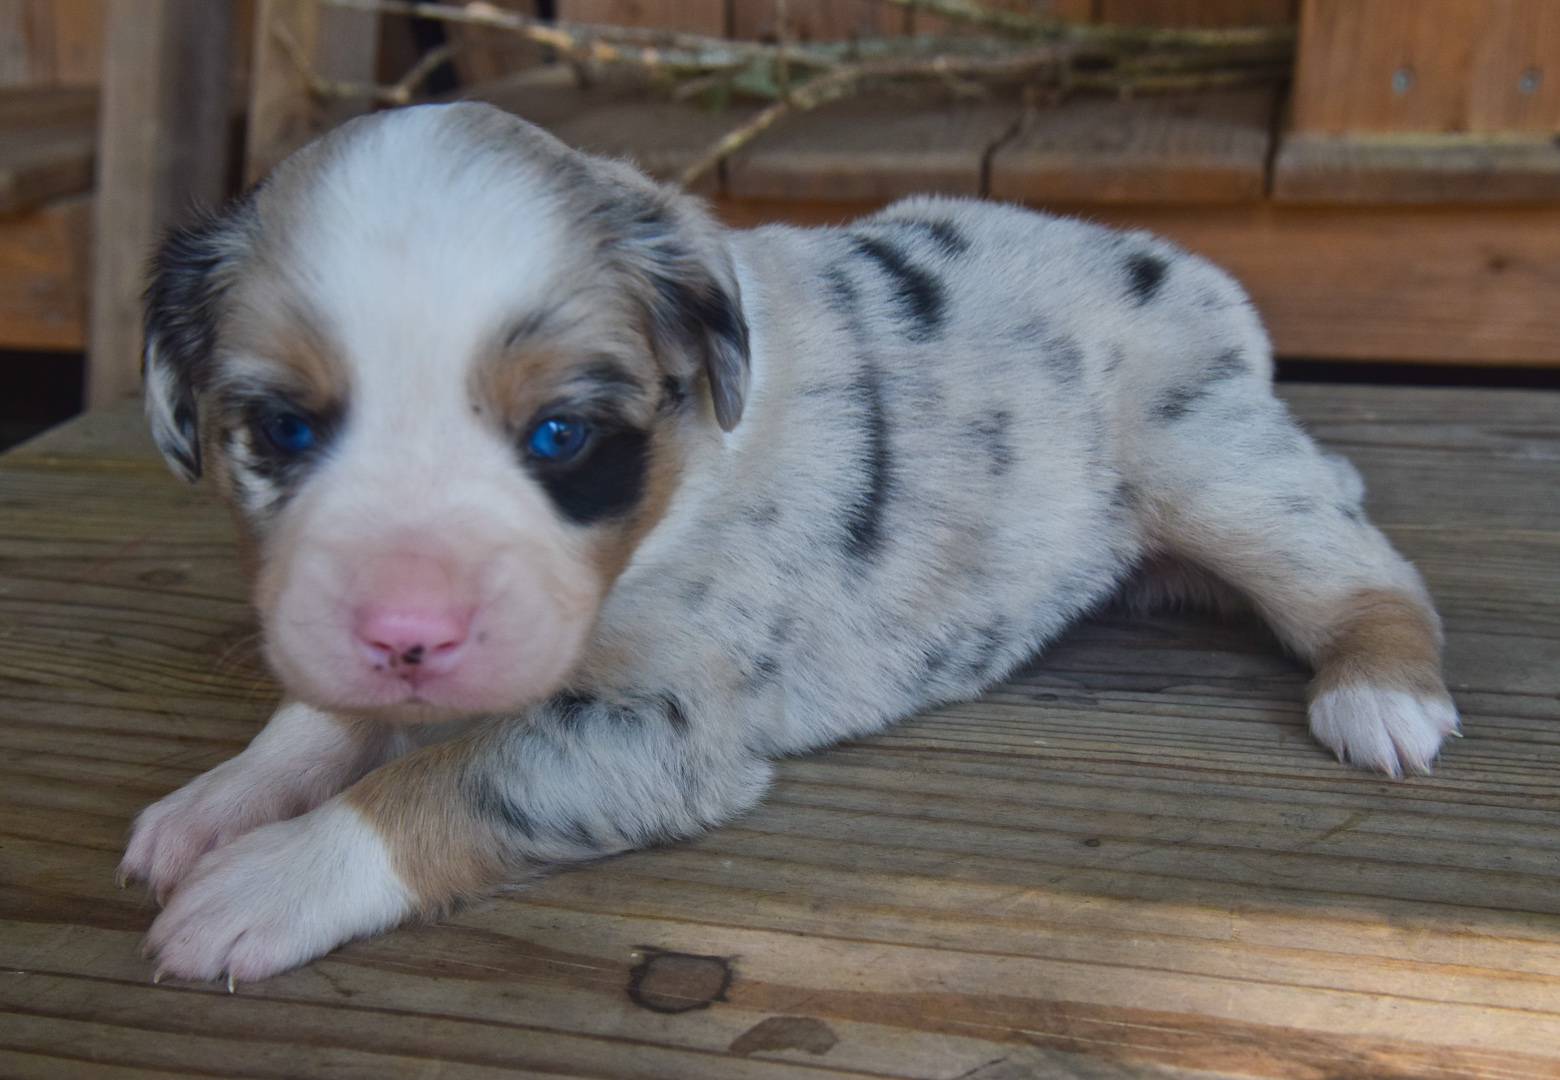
(1193, 148)
(1427, 65)
(1129, 861)
(47, 141)
(871, 149)
(161, 157)
(45, 264)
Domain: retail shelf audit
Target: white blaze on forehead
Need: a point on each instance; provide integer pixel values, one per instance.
(419, 245)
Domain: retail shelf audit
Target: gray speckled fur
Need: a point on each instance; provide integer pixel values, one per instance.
(964, 425)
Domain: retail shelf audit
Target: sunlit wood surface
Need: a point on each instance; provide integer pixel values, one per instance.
(1130, 861)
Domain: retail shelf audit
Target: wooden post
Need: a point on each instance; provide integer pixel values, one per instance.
(161, 157)
(294, 41)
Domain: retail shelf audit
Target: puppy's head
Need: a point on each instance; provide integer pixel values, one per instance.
(447, 372)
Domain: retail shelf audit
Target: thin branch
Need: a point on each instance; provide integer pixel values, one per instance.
(1105, 36)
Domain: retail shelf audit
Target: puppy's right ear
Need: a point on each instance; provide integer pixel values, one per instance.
(189, 275)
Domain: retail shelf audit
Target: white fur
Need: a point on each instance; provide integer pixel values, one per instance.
(1390, 731)
(279, 895)
(301, 758)
(964, 427)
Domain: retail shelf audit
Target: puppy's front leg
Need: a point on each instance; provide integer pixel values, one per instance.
(573, 779)
(301, 758)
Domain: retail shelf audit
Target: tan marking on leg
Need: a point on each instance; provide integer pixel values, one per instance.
(1382, 638)
(442, 850)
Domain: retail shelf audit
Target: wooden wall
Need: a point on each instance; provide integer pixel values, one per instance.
(828, 20)
(51, 42)
(1428, 66)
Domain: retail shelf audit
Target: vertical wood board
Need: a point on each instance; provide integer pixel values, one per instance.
(1428, 65)
(161, 157)
(45, 263)
(293, 38)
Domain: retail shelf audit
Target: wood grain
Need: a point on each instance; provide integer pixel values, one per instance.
(1470, 285)
(1192, 148)
(1128, 861)
(872, 149)
(1197, 12)
(1425, 169)
(688, 16)
(1428, 65)
(47, 140)
(161, 158)
(336, 44)
(45, 264)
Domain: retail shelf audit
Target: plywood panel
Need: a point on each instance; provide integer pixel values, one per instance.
(1195, 148)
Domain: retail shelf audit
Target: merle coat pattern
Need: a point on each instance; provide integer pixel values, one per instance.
(827, 477)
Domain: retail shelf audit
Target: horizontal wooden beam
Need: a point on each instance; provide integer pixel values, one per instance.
(1426, 284)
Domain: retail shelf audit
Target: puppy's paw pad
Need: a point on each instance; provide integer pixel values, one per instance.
(1389, 731)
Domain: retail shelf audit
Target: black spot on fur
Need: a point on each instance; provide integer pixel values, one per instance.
(1064, 354)
(993, 433)
(571, 710)
(672, 710)
(607, 481)
(1177, 402)
(490, 803)
(864, 517)
(1352, 513)
(918, 293)
(674, 393)
(943, 235)
(1145, 274)
(580, 833)
(1230, 364)
(1296, 504)
(762, 671)
(695, 593)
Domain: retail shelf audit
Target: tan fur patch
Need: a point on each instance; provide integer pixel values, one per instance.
(1382, 638)
(512, 388)
(441, 849)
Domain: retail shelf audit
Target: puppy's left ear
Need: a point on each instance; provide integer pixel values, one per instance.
(189, 274)
(693, 303)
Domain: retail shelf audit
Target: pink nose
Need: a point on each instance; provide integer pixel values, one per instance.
(412, 640)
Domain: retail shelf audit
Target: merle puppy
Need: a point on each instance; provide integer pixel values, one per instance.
(568, 509)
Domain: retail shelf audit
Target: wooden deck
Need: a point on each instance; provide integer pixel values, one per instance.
(1129, 862)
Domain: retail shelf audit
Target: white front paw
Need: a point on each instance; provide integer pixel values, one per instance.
(279, 896)
(1391, 731)
(209, 811)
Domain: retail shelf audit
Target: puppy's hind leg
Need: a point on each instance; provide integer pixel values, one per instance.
(1240, 491)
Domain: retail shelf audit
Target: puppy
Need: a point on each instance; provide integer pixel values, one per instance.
(567, 509)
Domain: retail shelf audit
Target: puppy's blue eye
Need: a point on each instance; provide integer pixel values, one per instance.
(288, 432)
(558, 438)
